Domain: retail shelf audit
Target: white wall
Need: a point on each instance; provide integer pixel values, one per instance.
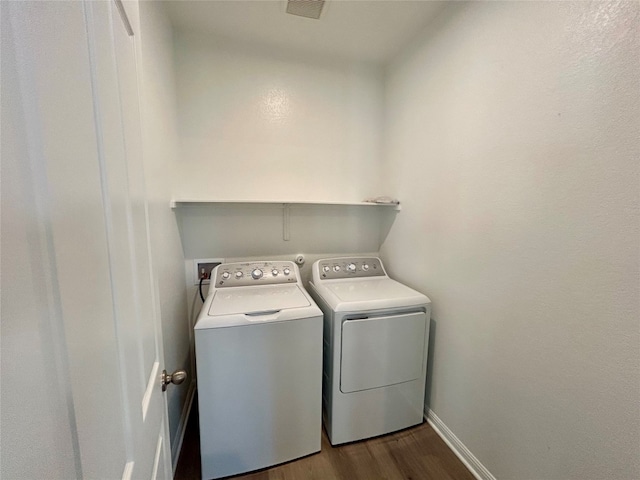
(255, 124)
(38, 434)
(160, 157)
(512, 135)
(259, 124)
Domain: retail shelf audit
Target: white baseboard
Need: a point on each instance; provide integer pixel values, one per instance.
(176, 446)
(462, 452)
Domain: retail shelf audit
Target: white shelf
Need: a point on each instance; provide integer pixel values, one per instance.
(175, 204)
(209, 217)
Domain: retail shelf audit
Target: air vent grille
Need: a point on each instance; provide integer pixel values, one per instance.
(305, 8)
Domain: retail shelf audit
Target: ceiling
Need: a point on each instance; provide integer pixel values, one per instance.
(363, 30)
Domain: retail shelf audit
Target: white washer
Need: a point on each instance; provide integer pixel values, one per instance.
(259, 369)
(376, 336)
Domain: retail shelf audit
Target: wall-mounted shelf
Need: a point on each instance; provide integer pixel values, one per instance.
(187, 203)
(317, 225)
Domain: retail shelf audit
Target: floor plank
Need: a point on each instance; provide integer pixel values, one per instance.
(417, 453)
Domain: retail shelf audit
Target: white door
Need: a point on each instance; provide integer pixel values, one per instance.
(81, 341)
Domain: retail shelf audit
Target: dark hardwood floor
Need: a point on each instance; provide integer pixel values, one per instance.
(416, 453)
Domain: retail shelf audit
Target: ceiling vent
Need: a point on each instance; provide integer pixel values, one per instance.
(305, 8)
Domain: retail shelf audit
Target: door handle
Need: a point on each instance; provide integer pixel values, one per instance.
(176, 378)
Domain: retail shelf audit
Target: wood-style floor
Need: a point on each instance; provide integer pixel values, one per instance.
(417, 453)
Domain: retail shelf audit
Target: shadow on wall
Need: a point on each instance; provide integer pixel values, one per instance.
(430, 355)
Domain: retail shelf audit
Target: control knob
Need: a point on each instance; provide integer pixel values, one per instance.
(286, 271)
(336, 268)
(256, 274)
(351, 267)
(365, 267)
(325, 269)
(274, 272)
(226, 275)
(238, 275)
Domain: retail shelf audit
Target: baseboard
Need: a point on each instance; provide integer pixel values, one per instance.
(462, 452)
(176, 446)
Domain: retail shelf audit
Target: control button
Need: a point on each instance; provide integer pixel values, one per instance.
(238, 274)
(336, 268)
(256, 274)
(351, 267)
(226, 275)
(325, 269)
(274, 272)
(365, 267)
(286, 271)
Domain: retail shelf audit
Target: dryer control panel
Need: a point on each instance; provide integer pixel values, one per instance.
(349, 267)
(245, 274)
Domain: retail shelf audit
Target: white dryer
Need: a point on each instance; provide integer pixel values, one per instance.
(259, 369)
(376, 336)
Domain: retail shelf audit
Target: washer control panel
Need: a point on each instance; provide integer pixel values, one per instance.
(347, 267)
(255, 273)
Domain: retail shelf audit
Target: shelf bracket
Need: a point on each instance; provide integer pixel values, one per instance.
(285, 221)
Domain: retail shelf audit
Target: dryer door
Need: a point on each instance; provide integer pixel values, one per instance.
(382, 351)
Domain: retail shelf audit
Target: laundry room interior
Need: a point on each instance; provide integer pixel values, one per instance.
(486, 152)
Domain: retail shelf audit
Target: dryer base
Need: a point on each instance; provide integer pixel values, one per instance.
(359, 415)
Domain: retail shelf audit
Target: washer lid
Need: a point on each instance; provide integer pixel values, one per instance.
(368, 294)
(255, 300)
